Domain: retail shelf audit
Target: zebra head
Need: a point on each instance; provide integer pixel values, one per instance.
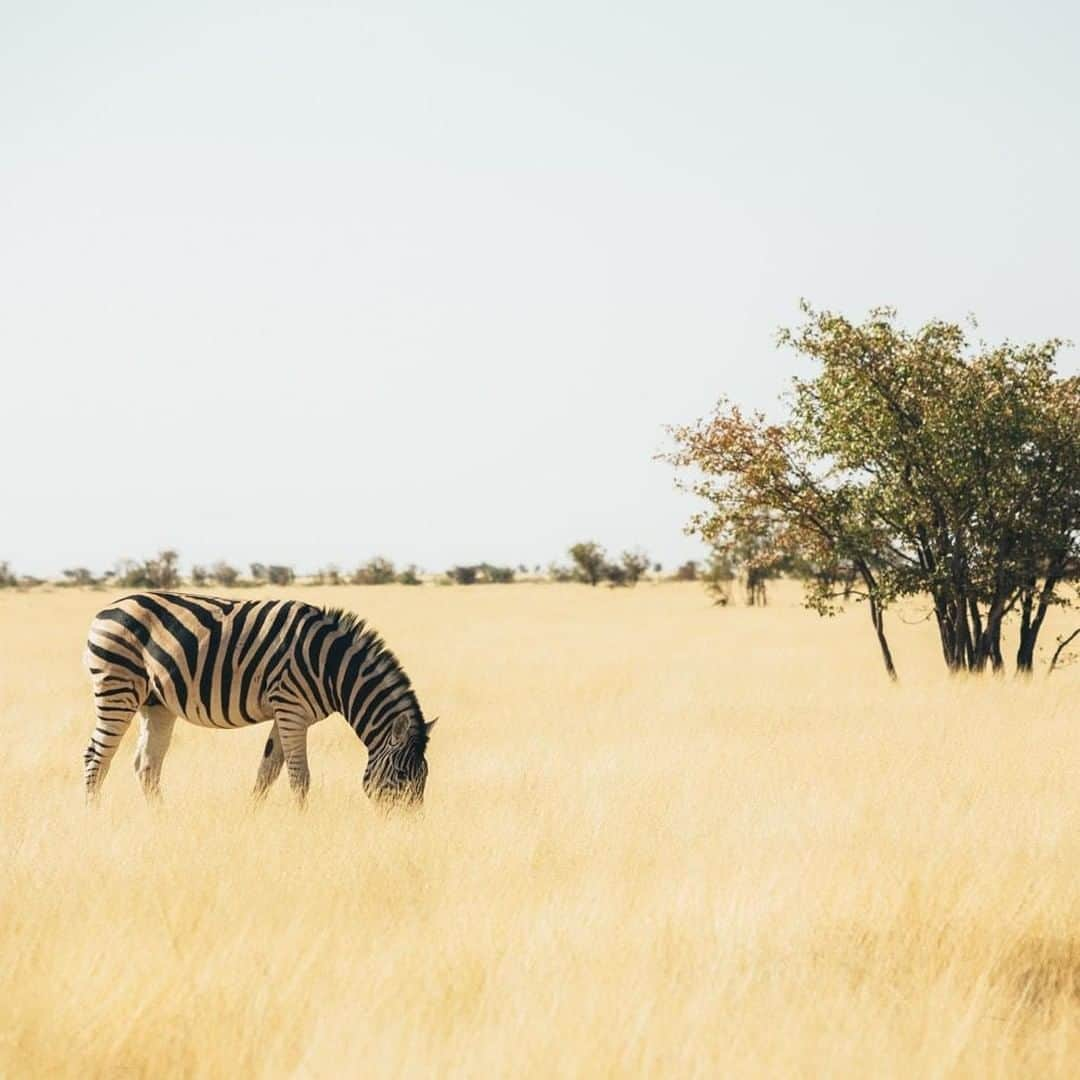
(397, 770)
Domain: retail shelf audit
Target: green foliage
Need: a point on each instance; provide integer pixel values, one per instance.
(916, 464)
(8, 578)
(280, 575)
(409, 576)
(463, 575)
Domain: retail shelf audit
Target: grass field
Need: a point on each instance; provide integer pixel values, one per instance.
(659, 838)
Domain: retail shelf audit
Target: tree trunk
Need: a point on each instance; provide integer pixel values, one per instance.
(988, 635)
(1032, 624)
(877, 616)
(1025, 653)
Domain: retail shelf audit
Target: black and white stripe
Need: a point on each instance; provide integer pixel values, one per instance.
(230, 663)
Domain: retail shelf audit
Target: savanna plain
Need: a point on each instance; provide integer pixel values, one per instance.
(659, 838)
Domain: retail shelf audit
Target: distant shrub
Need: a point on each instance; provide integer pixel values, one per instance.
(557, 572)
(687, 572)
(589, 560)
(158, 573)
(409, 576)
(376, 571)
(327, 575)
(200, 576)
(8, 579)
(635, 563)
(463, 575)
(79, 576)
(616, 575)
(258, 572)
(718, 575)
(496, 575)
(280, 575)
(224, 574)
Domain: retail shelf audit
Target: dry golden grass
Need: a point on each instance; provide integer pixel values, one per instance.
(660, 838)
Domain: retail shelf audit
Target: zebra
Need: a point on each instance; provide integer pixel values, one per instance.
(230, 663)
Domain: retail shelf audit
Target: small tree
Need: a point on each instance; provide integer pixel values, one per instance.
(224, 574)
(376, 571)
(589, 560)
(80, 576)
(463, 575)
(688, 571)
(157, 573)
(497, 575)
(280, 575)
(616, 575)
(259, 572)
(8, 578)
(718, 576)
(753, 545)
(409, 576)
(634, 563)
(163, 571)
(200, 576)
(558, 572)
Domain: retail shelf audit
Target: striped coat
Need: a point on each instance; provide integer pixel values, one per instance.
(230, 663)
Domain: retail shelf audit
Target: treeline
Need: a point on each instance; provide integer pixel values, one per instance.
(588, 563)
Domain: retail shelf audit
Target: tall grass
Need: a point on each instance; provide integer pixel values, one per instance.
(659, 838)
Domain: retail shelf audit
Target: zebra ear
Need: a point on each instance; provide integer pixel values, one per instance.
(430, 724)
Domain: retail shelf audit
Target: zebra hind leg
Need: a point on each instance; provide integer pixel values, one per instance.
(272, 760)
(115, 702)
(155, 733)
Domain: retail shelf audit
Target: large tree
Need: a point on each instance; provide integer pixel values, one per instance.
(917, 464)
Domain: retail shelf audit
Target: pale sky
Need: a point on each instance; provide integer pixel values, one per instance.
(306, 283)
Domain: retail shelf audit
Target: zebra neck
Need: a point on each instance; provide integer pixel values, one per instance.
(380, 694)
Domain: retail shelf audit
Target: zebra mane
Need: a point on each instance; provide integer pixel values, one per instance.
(350, 622)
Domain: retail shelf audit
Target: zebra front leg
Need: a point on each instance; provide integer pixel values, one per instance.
(272, 760)
(293, 733)
(115, 705)
(155, 733)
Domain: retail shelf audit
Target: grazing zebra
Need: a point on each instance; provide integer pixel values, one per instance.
(230, 663)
